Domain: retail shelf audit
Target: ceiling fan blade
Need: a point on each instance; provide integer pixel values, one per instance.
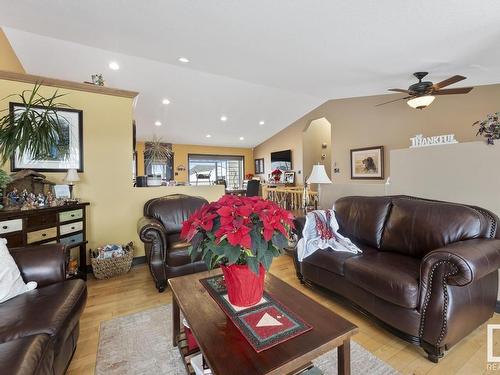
(461, 90)
(448, 82)
(395, 100)
(399, 90)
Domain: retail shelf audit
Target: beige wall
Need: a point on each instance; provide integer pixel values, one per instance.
(356, 122)
(115, 205)
(181, 153)
(8, 58)
(319, 132)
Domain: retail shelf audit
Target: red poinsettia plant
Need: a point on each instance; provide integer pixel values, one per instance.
(238, 230)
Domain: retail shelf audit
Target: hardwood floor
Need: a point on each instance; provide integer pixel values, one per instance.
(135, 291)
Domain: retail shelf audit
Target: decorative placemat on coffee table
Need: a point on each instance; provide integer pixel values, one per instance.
(264, 325)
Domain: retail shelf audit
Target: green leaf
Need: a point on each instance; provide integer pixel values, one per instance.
(279, 240)
(258, 242)
(197, 240)
(266, 260)
(207, 258)
(232, 253)
(253, 263)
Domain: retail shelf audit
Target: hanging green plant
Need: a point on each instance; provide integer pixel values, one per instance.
(33, 129)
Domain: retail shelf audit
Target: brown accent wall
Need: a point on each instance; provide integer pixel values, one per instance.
(356, 122)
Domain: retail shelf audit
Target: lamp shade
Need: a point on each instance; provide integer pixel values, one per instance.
(420, 102)
(72, 176)
(318, 175)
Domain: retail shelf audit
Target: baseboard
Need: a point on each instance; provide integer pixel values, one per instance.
(497, 307)
(139, 260)
(136, 261)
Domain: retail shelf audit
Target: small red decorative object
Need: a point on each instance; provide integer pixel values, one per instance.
(191, 341)
(244, 288)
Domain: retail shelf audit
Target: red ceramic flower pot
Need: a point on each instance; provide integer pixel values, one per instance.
(244, 288)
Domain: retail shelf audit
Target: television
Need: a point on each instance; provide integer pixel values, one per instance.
(281, 160)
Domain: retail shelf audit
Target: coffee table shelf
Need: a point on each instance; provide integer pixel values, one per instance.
(185, 353)
(225, 349)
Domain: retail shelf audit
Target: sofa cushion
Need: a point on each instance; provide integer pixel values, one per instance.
(333, 261)
(416, 227)
(390, 276)
(361, 219)
(177, 254)
(30, 355)
(54, 310)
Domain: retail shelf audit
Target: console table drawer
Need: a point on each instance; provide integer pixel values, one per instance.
(70, 215)
(43, 234)
(70, 228)
(15, 239)
(76, 238)
(37, 221)
(8, 226)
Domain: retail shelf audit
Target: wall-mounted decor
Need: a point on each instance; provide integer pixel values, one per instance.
(489, 127)
(367, 163)
(281, 160)
(66, 153)
(420, 141)
(259, 166)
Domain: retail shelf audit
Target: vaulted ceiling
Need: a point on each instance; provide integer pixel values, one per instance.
(251, 61)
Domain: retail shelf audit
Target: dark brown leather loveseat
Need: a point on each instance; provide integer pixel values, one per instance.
(428, 270)
(39, 329)
(160, 227)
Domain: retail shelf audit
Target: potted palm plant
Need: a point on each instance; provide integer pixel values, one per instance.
(34, 129)
(156, 152)
(242, 235)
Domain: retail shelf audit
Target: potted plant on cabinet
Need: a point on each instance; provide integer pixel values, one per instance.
(489, 127)
(242, 235)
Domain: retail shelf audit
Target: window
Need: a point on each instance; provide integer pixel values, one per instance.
(206, 169)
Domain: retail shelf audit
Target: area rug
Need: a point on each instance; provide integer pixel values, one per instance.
(141, 343)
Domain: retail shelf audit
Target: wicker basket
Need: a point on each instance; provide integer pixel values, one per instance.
(107, 268)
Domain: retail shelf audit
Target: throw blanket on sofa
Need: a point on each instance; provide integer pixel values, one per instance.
(321, 232)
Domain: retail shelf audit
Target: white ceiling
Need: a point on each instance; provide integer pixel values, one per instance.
(252, 60)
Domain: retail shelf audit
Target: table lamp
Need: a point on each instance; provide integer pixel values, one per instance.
(317, 176)
(71, 178)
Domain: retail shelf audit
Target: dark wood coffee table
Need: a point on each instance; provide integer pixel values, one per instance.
(227, 352)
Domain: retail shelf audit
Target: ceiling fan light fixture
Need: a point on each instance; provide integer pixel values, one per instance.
(420, 102)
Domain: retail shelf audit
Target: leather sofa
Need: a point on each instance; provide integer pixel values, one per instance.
(428, 271)
(160, 227)
(39, 329)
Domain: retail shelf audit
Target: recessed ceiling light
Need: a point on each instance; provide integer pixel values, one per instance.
(242, 138)
(183, 59)
(157, 123)
(208, 136)
(113, 65)
(223, 118)
(261, 122)
(165, 101)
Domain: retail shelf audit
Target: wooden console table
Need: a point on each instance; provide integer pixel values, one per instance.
(61, 224)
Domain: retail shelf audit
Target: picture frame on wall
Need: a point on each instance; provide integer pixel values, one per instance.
(71, 121)
(367, 163)
(259, 166)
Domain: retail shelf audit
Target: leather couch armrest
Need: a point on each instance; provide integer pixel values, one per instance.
(45, 264)
(151, 230)
(467, 260)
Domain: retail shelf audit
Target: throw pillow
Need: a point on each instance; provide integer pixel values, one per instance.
(11, 282)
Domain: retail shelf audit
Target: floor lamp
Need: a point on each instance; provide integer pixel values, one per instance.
(318, 176)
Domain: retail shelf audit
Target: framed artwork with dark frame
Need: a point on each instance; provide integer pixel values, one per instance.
(71, 122)
(259, 166)
(367, 163)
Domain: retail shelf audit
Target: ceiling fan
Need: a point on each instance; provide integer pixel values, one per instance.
(421, 94)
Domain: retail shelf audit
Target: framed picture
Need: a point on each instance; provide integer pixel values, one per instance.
(259, 166)
(367, 163)
(289, 178)
(71, 122)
